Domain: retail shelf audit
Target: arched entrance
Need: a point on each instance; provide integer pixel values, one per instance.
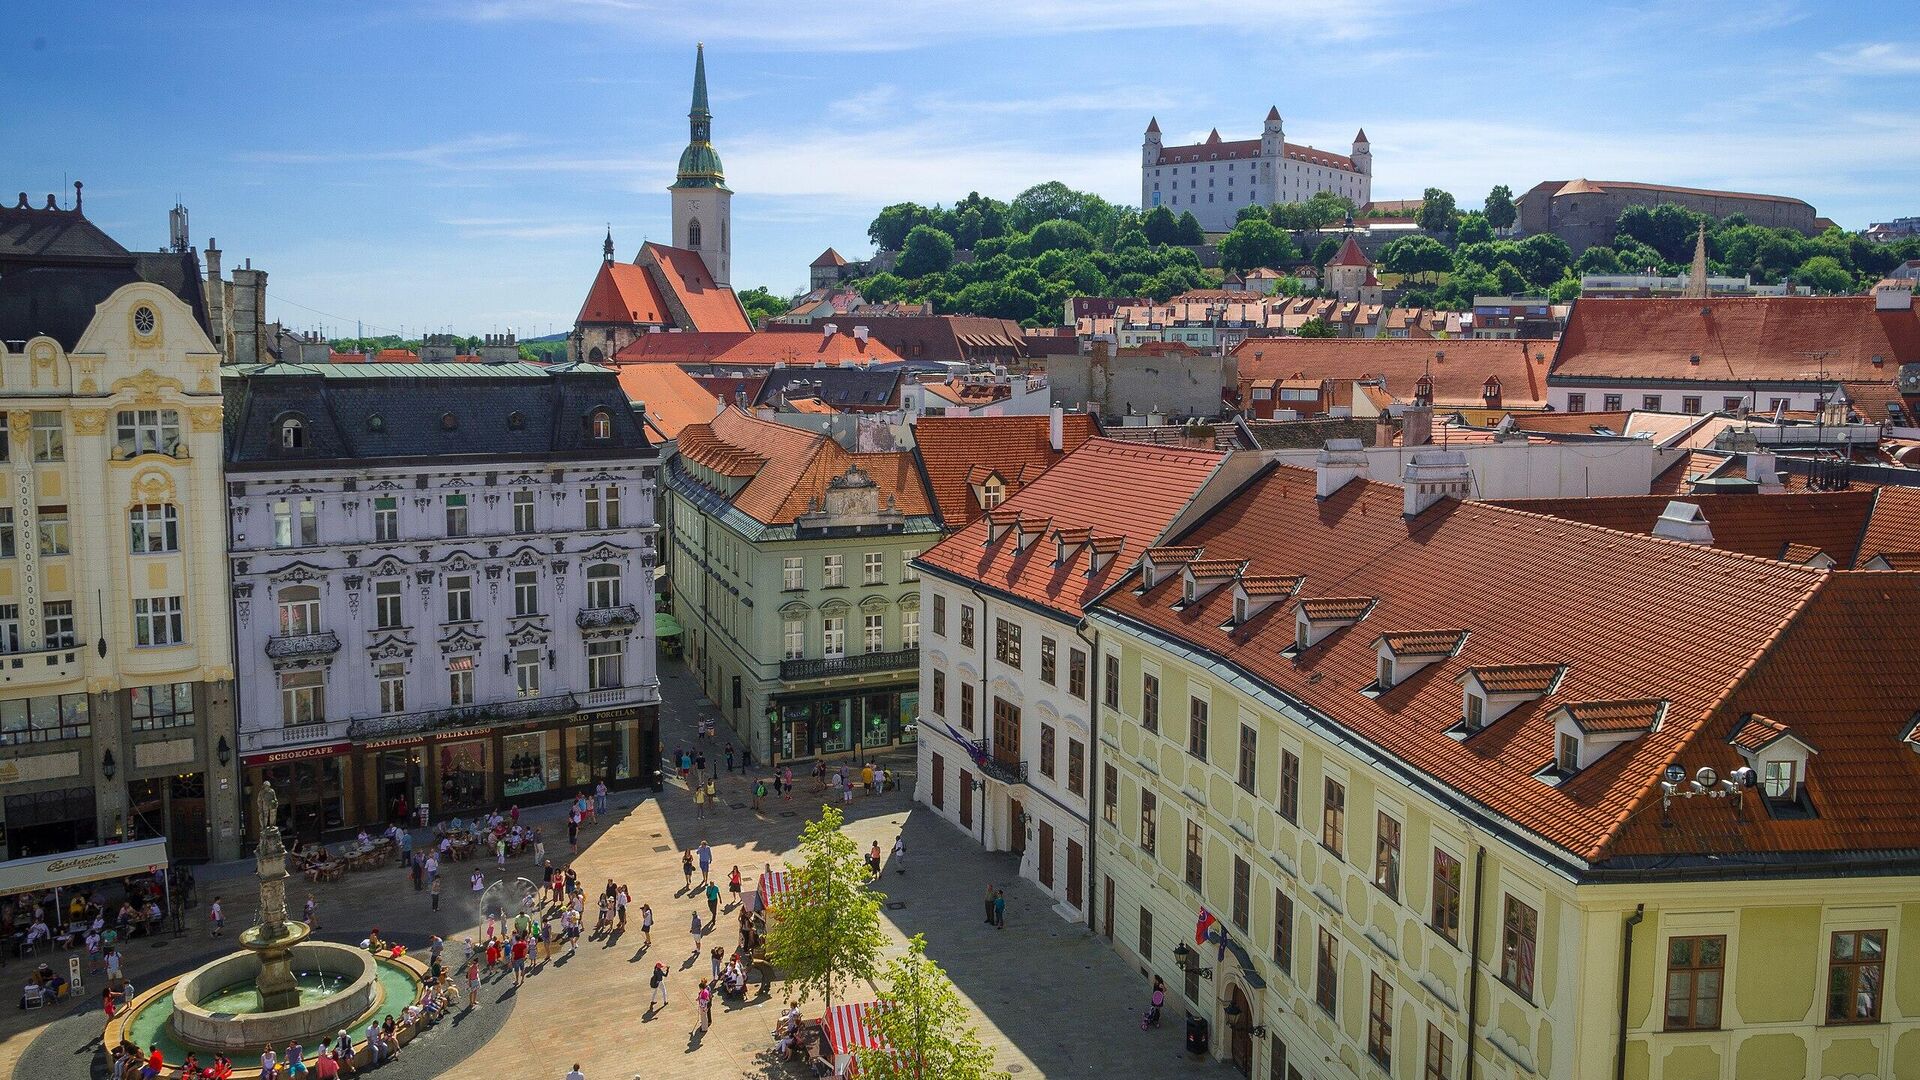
(1240, 1031)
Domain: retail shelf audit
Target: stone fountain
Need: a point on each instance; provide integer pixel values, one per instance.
(273, 940)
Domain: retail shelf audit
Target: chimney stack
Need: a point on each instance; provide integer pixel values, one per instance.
(1342, 460)
(860, 334)
(1433, 475)
(1683, 521)
(1764, 469)
(829, 330)
(1056, 428)
(1416, 425)
(1383, 430)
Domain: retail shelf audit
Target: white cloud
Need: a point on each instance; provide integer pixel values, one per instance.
(1875, 58)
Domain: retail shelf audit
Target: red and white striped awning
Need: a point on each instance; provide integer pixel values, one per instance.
(847, 1030)
(774, 884)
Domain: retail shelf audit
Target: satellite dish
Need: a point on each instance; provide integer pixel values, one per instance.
(1706, 777)
(1742, 776)
(1675, 774)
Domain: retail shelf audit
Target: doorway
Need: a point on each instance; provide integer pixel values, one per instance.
(1240, 1027)
(966, 799)
(1017, 823)
(1046, 854)
(187, 816)
(1074, 873)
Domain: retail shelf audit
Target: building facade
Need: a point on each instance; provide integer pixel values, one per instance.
(116, 685)
(792, 568)
(442, 587)
(1217, 178)
(1587, 212)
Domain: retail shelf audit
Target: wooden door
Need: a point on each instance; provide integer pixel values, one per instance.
(1106, 909)
(1074, 873)
(966, 799)
(1014, 813)
(1242, 1035)
(1046, 854)
(187, 817)
(939, 782)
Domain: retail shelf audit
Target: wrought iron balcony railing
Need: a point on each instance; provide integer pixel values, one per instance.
(601, 618)
(324, 643)
(857, 664)
(459, 716)
(1004, 770)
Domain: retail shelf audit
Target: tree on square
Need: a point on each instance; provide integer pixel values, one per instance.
(825, 932)
(924, 1024)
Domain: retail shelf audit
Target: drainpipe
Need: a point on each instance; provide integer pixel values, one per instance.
(1473, 965)
(1626, 978)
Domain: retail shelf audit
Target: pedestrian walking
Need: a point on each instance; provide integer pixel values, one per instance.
(433, 890)
(713, 960)
(866, 778)
(600, 797)
(759, 793)
(733, 885)
(746, 758)
(819, 776)
(873, 861)
(573, 833)
(698, 930)
(706, 1005)
(519, 959)
(786, 780)
(659, 983)
(713, 796)
(713, 900)
(899, 854)
(686, 867)
(473, 979)
(846, 791)
(706, 862)
(576, 1074)
(1000, 908)
(646, 923)
(989, 905)
(539, 848)
(729, 757)
(311, 913)
(216, 918)
(433, 867)
(620, 902)
(500, 849)
(700, 761)
(417, 869)
(406, 846)
(478, 881)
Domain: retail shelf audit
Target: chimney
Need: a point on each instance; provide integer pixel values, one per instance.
(1764, 470)
(860, 334)
(249, 313)
(828, 330)
(1341, 461)
(1683, 521)
(1416, 425)
(1056, 428)
(1893, 294)
(217, 299)
(1383, 430)
(1433, 475)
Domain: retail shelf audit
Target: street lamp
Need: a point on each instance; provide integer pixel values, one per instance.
(1237, 1022)
(1188, 961)
(107, 765)
(225, 751)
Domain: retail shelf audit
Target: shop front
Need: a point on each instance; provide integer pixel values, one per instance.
(312, 784)
(853, 721)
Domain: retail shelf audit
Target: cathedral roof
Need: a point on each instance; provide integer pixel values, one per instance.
(624, 293)
(683, 277)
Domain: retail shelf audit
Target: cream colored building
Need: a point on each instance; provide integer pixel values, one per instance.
(116, 685)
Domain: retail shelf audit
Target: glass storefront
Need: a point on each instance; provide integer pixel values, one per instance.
(877, 721)
(601, 752)
(834, 724)
(530, 763)
(403, 783)
(909, 717)
(466, 775)
(312, 795)
(50, 821)
(830, 720)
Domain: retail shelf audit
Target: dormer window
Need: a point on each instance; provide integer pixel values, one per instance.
(1403, 653)
(1384, 679)
(601, 424)
(293, 433)
(1475, 711)
(1301, 635)
(1567, 758)
(1239, 610)
(992, 493)
(1778, 757)
(1186, 590)
(1780, 780)
(1586, 731)
(1320, 616)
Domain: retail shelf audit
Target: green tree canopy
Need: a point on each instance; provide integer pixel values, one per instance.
(825, 933)
(926, 1024)
(1188, 231)
(1322, 209)
(1255, 243)
(881, 288)
(1317, 327)
(1825, 274)
(1501, 212)
(927, 251)
(762, 305)
(1474, 228)
(1437, 211)
(891, 226)
(1059, 235)
(1161, 227)
(1421, 256)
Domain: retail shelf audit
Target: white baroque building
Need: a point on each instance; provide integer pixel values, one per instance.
(1217, 178)
(442, 587)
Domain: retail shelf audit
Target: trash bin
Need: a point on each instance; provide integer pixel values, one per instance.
(1197, 1035)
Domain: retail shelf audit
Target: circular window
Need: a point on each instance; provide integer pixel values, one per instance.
(376, 423)
(144, 320)
(515, 421)
(448, 422)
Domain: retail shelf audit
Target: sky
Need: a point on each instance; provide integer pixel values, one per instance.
(454, 164)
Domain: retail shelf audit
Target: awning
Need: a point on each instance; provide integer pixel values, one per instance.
(847, 1030)
(71, 868)
(774, 884)
(665, 625)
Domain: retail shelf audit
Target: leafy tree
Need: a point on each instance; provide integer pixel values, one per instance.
(1188, 231)
(1130, 237)
(825, 933)
(1474, 229)
(1255, 243)
(1666, 228)
(882, 288)
(1252, 212)
(762, 305)
(1289, 286)
(1437, 211)
(1322, 209)
(1543, 258)
(1416, 255)
(1317, 327)
(1160, 226)
(925, 1023)
(1598, 259)
(1501, 212)
(1564, 290)
(1825, 274)
(1060, 235)
(891, 226)
(927, 251)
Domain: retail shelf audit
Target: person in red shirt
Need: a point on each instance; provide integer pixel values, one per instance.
(221, 1069)
(156, 1062)
(325, 1068)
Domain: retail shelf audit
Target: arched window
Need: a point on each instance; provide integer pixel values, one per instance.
(299, 611)
(601, 424)
(595, 356)
(293, 433)
(693, 233)
(518, 421)
(448, 421)
(603, 586)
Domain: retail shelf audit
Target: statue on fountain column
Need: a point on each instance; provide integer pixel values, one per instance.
(267, 808)
(271, 861)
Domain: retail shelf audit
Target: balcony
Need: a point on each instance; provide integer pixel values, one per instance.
(994, 767)
(859, 664)
(602, 618)
(459, 716)
(42, 667)
(324, 643)
(293, 735)
(615, 696)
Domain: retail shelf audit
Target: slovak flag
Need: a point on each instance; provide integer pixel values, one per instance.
(1200, 927)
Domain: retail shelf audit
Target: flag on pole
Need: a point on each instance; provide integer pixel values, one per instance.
(1200, 927)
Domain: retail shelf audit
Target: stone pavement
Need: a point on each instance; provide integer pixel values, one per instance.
(1050, 997)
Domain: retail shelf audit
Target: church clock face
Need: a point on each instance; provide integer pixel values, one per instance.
(693, 204)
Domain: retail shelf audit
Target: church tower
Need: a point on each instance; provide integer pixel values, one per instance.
(702, 210)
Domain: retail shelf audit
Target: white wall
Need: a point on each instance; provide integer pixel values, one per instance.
(1534, 470)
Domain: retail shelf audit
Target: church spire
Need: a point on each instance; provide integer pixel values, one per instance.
(699, 162)
(699, 111)
(606, 249)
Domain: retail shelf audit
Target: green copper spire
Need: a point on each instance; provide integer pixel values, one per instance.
(699, 163)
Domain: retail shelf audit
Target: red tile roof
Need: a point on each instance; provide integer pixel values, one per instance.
(788, 469)
(1264, 585)
(1895, 524)
(749, 350)
(1740, 339)
(1337, 608)
(1423, 642)
(672, 398)
(1757, 732)
(1589, 187)
(829, 257)
(1114, 489)
(952, 448)
(1750, 523)
(1518, 678)
(1216, 147)
(1350, 255)
(1616, 717)
(688, 288)
(1459, 368)
(626, 294)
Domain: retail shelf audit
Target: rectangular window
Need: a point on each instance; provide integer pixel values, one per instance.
(1150, 702)
(966, 626)
(526, 672)
(1196, 853)
(1076, 767)
(1077, 677)
(1326, 974)
(1290, 786)
(1006, 643)
(1611, 403)
(603, 507)
(1283, 932)
(1046, 750)
(1249, 756)
(456, 515)
(1380, 1022)
(1518, 929)
(45, 719)
(793, 636)
(793, 573)
(1695, 967)
(1690, 405)
(940, 616)
(386, 604)
(833, 571)
(907, 571)
(1006, 731)
(910, 628)
(875, 627)
(523, 511)
(1446, 895)
(1146, 934)
(146, 431)
(154, 708)
(1333, 817)
(1197, 728)
(833, 636)
(459, 598)
(603, 664)
(1567, 759)
(386, 518)
(1241, 911)
(1386, 856)
(1731, 404)
(966, 705)
(49, 437)
(158, 620)
(1149, 826)
(303, 697)
(393, 688)
(299, 611)
(153, 528)
(1650, 402)
(1048, 663)
(1439, 1055)
(526, 593)
(873, 568)
(7, 550)
(939, 692)
(1856, 969)
(10, 636)
(56, 536)
(460, 680)
(1110, 795)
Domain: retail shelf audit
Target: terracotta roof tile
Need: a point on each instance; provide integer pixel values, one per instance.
(1616, 717)
(951, 448)
(683, 278)
(1895, 524)
(1740, 340)
(1336, 608)
(749, 350)
(1756, 732)
(1202, 568)
(1518, 678)
(1423, 642)
(1350, 255)
(790, 469)
(1753, 524)
(672, 398)
(1172, 555)
(1799, 553)
(1459, 368)
(1269, 585)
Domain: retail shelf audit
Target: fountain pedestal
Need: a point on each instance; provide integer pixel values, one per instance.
(273, 940)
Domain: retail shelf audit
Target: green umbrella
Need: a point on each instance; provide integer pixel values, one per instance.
(665, 625)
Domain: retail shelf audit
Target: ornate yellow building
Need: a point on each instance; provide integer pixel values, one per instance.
(116, 685)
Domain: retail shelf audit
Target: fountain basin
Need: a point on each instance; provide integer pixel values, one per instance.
(208, 1011)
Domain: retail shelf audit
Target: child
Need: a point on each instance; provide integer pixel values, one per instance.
(217, 917)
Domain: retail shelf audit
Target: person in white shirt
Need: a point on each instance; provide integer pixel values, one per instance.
(576, 1074)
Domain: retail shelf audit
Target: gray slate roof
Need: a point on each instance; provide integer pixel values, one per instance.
(837, 386)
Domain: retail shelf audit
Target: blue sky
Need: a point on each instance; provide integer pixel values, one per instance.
(455, 163)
